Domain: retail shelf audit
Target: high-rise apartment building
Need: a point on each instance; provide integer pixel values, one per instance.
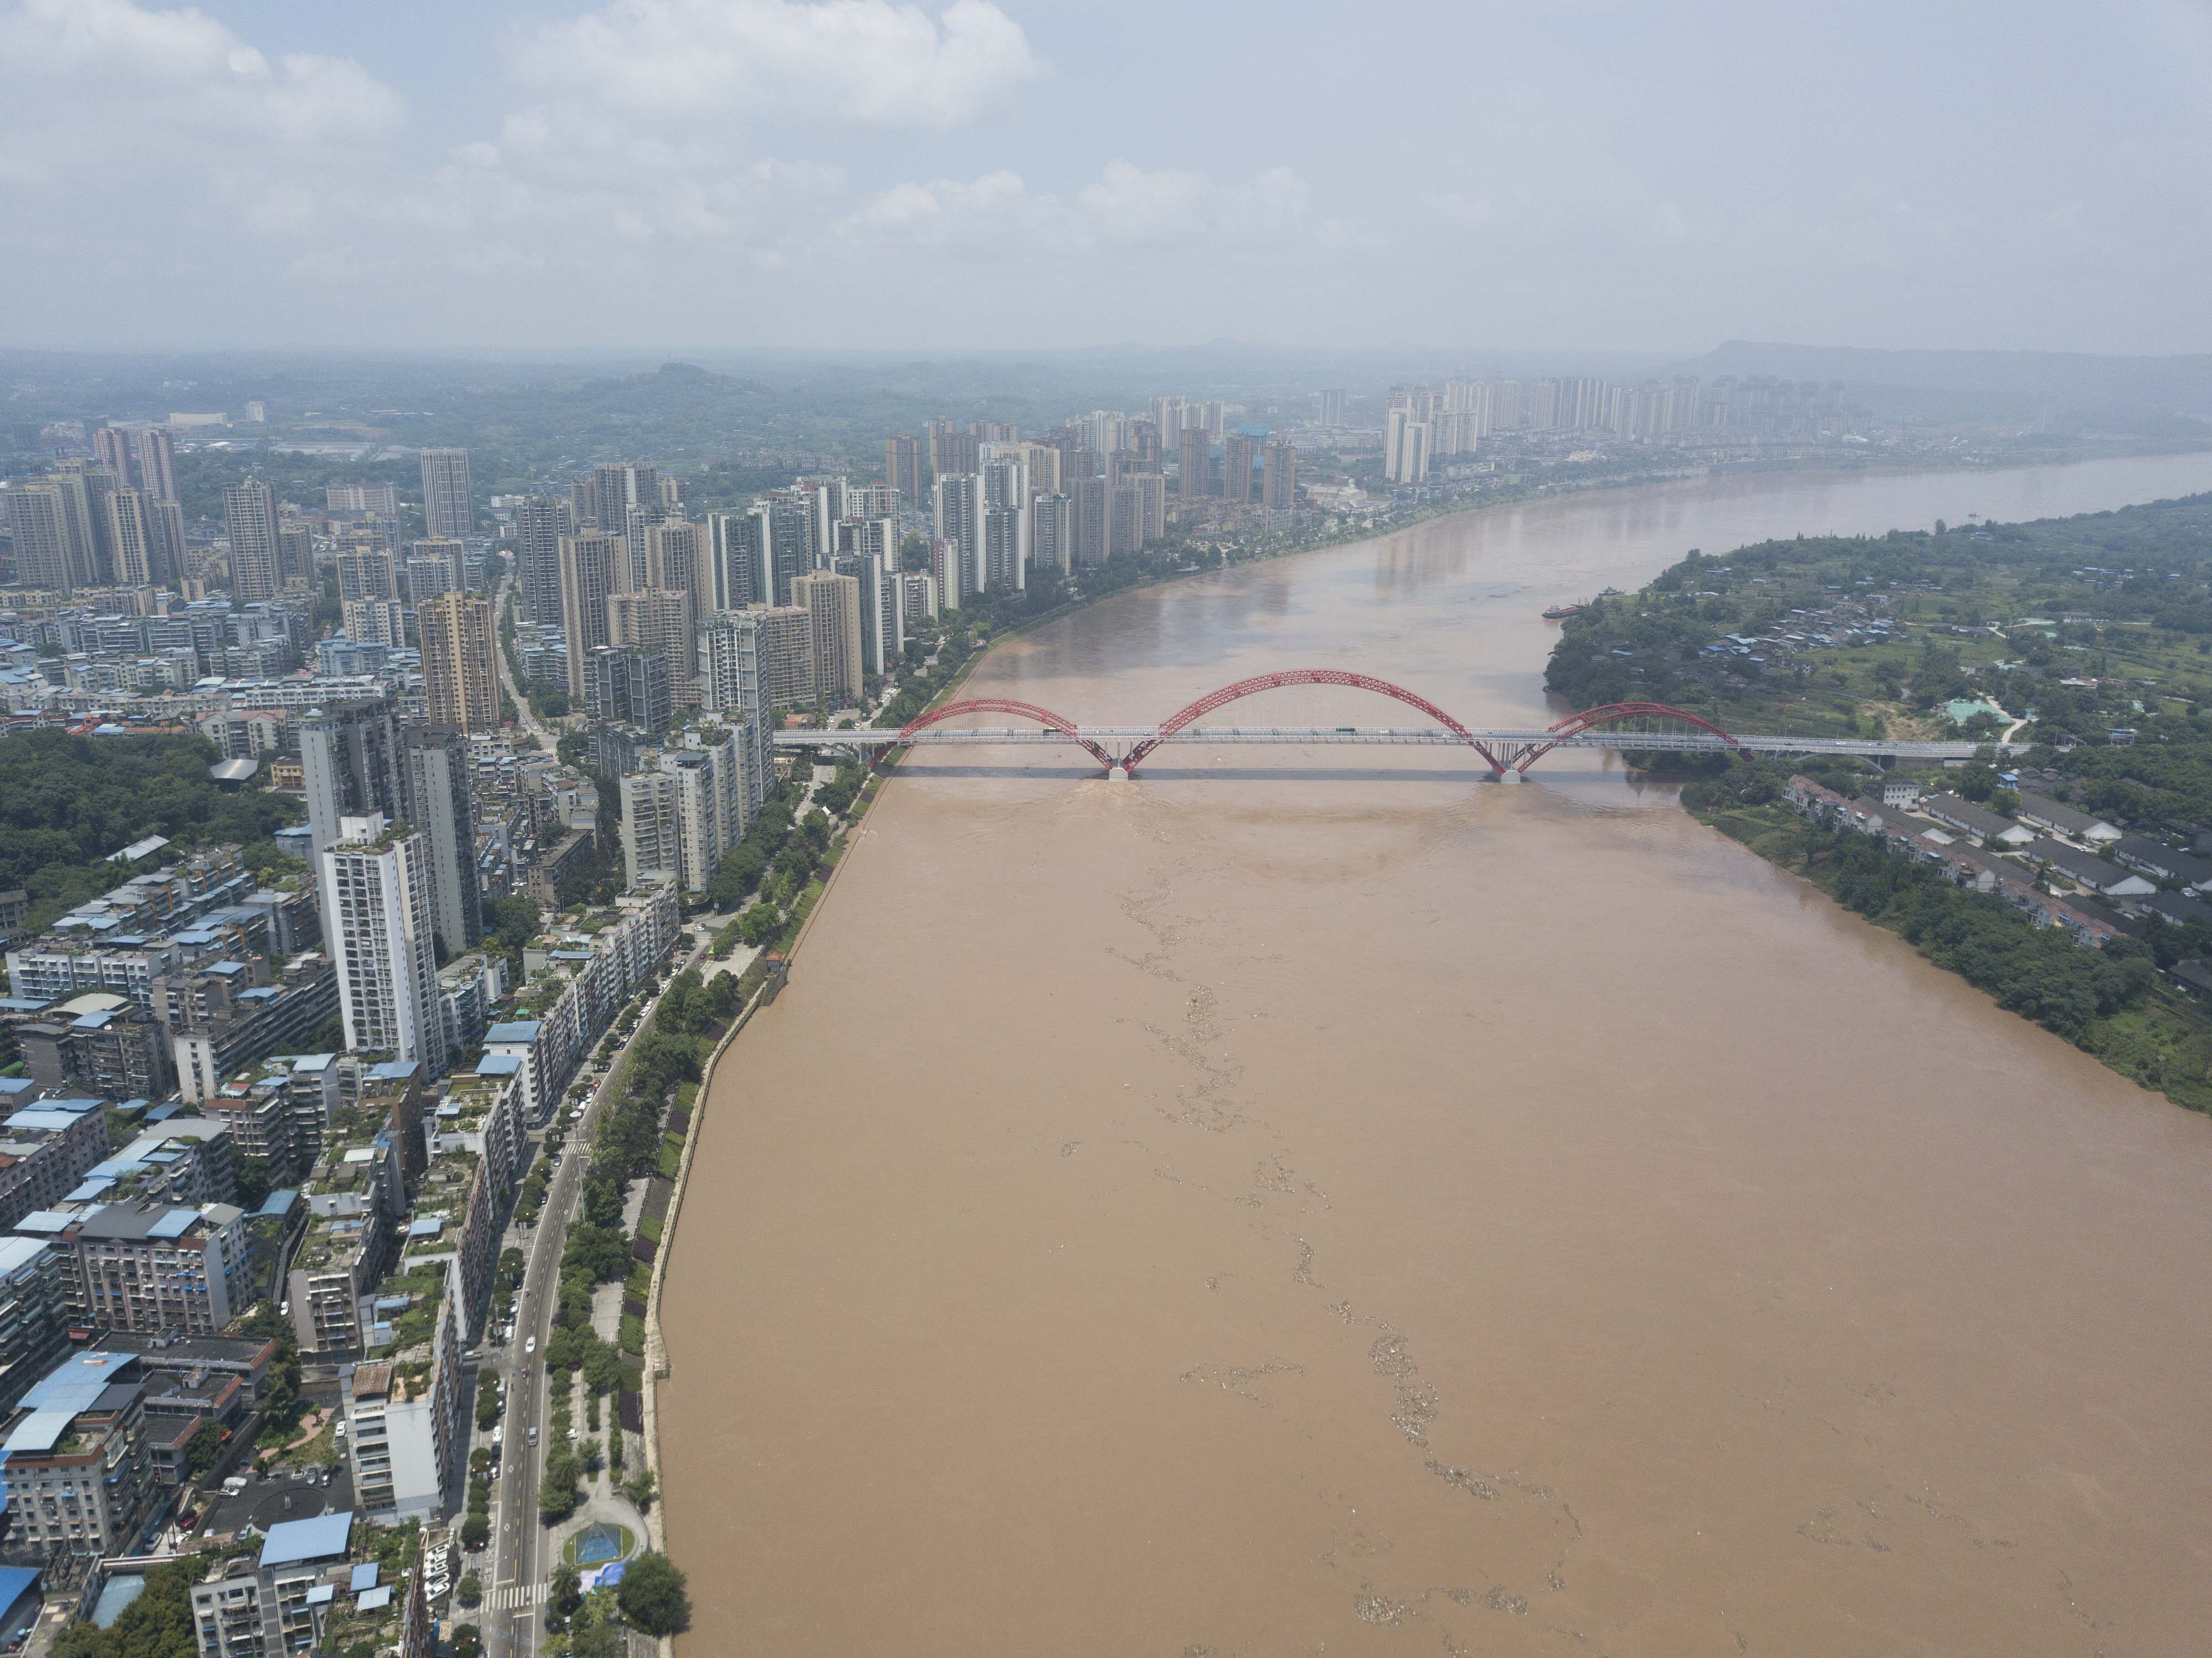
(678, 554)
(956, 500)
(436, 564)
(739, 696)
(448, 506)
(1405, 446)
(1236, 456)
(540, 521)
(381, 499)
(952, 453)
(295, 552)
(1195, 474)
(53, 547)
(619, 486)
(736, 560)
(112, 448)
(652, 835)
(628, 686)
(379, 877)
(434, 770)
(1090, 519)
(1330, 411)
(148, 537)
(460, 662)
(249, 511)
(1167, 421)
(374, 621)
(883, 612)
(784, 646)
(832, 603)
(660, 619)
(1005, 535)
(685, 807)
(1051, 543)
(350, 761)
(157, 463)
(367, 572)
(1279, 487)
(589, 559)
(903, 466)
(1150, 512)
(94, 484)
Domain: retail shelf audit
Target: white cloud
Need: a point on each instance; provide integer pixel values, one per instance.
(89, 80)
(840, 64)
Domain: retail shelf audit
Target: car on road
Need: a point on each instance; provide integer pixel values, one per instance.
(530, 1345)
(533, 1436)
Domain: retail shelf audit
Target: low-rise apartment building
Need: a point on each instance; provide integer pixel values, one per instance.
(406, 1430)
(156, 1267)
(46, 1148)
(74, 1462)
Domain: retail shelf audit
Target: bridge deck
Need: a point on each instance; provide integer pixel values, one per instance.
(1117, 738)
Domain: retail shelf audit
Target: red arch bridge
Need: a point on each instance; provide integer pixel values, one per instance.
(1508, 753)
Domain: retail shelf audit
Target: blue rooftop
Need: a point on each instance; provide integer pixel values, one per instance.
(394, 1071)
(517, 1030)
(499, 1064)
(291, 1541)
(276, 1206)
(15, 1582)
(364, 1577)
(44, 1116)
(428, 1227)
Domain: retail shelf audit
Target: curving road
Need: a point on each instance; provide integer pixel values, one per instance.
(550, 737)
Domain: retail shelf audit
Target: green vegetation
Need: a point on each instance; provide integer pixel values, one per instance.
(157, 1624)
(655, 1596)
(68, 805)
(509, 924)
(2096, 630)
(205, 1449)
(2094, 623)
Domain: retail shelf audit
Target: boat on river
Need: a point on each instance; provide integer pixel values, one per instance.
(1561, 612)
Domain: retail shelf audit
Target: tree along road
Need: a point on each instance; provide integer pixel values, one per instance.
(523, 1553)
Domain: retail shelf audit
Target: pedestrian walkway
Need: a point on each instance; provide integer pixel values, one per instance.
(518, 1597)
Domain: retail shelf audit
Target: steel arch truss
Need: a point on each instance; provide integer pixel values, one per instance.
(1270, 682)
(1612, 714)
(1044, 717)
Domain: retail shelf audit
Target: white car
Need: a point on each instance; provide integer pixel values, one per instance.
(530, 1345)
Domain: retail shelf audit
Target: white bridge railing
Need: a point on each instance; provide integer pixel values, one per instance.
(1119, 738)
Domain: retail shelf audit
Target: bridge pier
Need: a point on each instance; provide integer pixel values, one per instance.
(1510, 775)
(1117, 773)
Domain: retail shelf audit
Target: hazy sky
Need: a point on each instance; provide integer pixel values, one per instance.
(1021, 174)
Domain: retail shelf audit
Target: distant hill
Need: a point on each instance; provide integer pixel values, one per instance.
(2077, 381)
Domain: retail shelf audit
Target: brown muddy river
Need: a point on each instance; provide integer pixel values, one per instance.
(1318, 1202)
